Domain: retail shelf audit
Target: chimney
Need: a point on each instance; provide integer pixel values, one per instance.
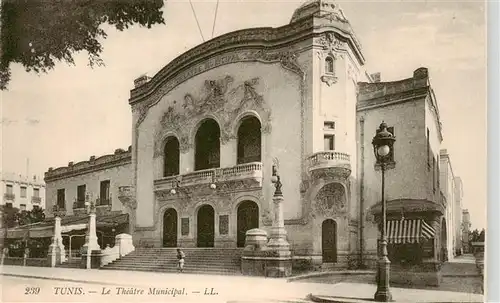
(141, 80)
(375, 77)
(421, 73)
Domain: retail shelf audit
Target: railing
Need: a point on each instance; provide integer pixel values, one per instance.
(241, 171)
(36, 200)
(79, 204)
(9, 196)
(102, 202)
(329, 159)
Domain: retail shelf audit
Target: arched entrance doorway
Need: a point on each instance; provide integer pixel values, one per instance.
(329, 241)
(205, 227)
(249, 141)
(444, 241)
(170, 228)
(247, 218)
(207, 150)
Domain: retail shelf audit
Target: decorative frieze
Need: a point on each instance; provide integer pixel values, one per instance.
(223, 224)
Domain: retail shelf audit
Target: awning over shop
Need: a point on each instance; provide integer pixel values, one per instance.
(408, 231)
(70, 223)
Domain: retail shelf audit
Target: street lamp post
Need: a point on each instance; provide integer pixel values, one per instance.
(382, 147)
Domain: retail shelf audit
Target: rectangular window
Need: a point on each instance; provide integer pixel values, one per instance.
(329, 125)
(80, 195)
(10, 189)
(23, 191)
(22, 206)
(428, 150)
(329, 141)
(434, 174)
(104, 197)
(61, 198)
(36, 192)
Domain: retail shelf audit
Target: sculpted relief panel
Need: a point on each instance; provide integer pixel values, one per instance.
(220, 98)
(330, 200)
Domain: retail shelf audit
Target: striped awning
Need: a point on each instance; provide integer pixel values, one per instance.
(408, 231)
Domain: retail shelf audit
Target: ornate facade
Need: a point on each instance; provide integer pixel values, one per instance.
(211, 127)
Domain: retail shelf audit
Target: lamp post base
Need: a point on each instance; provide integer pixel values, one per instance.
(383, 293)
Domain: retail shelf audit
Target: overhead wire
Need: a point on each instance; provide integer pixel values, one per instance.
(215, 17)
(196, 18)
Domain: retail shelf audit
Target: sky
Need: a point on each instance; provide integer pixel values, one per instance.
(74, 112)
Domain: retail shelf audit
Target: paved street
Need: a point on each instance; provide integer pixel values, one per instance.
(37, 284)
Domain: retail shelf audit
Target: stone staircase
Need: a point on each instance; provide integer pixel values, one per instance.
(222, 261)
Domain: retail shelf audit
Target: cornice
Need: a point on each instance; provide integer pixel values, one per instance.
(265, 39)
(84, 167)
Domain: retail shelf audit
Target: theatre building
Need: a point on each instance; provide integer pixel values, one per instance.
(211, 126)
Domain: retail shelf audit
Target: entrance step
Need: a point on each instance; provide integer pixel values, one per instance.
(223, 261)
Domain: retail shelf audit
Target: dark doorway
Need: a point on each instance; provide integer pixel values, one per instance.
(247, 218)
(329, 241)
(249, 141)
(171, 157)
(170, 228)
(207, 151)
(444, 240)
(205, 227)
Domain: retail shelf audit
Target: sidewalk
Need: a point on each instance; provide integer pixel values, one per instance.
(237, 288)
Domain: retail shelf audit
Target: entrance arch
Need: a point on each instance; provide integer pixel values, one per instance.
(329, 241)
(207, 148)
(247, 218)
(170, 228)
(205, 226)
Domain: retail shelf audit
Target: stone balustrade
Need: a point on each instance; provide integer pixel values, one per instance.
(333, 162)
(251, 170)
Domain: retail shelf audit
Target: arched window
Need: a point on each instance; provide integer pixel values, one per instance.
(171, 157)
(207, 151)
(329, 65)
(249, 141)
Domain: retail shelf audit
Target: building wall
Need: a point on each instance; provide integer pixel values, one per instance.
(433, 193)
(118, 176)
(18, 181)
(458, 213)
(448, 190)
(408, 179)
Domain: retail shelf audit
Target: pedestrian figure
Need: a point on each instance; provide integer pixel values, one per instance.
(180, 260)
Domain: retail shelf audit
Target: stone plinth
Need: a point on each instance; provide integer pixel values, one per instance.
(95, 261)
(125, 244)
(54, 253)
(253, 259)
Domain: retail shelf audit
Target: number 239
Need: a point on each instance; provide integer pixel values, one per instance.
(32, 290)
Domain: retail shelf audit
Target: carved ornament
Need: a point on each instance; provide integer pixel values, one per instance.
(218, 98)
(330, 200)
(287, 59)
(329, 79)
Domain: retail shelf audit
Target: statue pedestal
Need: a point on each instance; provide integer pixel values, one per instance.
(54, 255)
(95, 261)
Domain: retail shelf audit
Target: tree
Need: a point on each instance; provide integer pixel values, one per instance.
(12, 217)
(476, 236)
(37, 33)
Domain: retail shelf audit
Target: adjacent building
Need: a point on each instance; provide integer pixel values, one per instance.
(466, 225)
(22, 192)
